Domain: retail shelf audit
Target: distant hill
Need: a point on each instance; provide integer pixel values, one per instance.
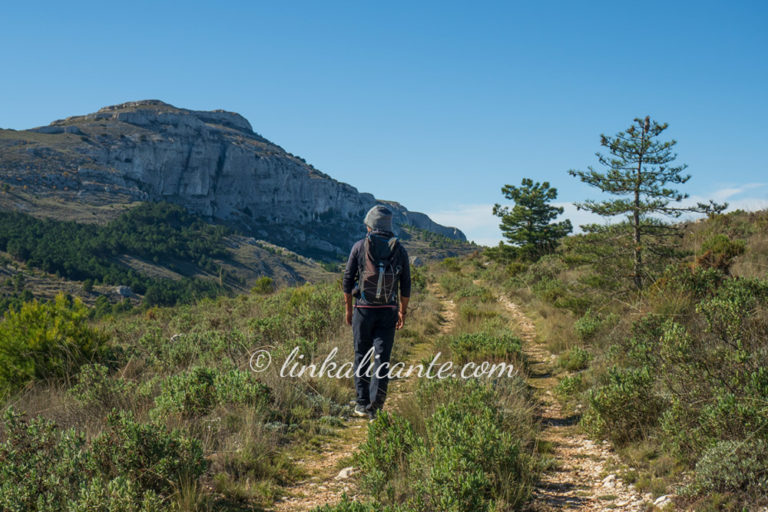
(89, 168)
(175, 204)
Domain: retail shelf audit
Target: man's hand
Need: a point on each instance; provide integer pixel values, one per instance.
(349, 308)
(349, 316)
(402, 312)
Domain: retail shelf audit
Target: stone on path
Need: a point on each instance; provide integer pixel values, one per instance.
(345, 473)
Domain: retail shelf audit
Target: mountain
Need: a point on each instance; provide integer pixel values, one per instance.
(90, 168)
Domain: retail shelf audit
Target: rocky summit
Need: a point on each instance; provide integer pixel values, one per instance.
(210, 162)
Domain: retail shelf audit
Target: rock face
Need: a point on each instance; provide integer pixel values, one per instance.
(210, 162)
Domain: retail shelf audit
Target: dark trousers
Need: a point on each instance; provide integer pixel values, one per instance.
(373, 327)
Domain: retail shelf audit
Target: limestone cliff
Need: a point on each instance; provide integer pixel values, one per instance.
(210, 162)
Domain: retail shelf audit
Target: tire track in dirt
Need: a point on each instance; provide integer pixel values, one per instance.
(578, 482)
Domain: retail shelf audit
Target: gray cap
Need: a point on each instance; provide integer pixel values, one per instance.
(379, 218)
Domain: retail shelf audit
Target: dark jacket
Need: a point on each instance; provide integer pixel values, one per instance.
(352, 270)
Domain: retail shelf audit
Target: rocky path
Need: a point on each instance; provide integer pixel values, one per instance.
(328, 478)
(580, 480)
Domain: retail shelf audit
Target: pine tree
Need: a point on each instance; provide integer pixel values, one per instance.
(638, 170)
(529, 225)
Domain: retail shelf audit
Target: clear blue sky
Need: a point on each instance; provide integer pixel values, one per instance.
(433, 104)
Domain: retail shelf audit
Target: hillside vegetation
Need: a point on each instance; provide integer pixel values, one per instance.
(159, 409)
(164, 254)
(673, 375)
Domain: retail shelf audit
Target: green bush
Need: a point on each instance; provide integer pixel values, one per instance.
(719, 251)
(197, 391)
(199, 347)
(41, 467)
(570, 385)
(452, 264)
(470, 312)
(482, 293)
(94, 387)
(469, 461)
(263, 286)
(129, 467)
(733, 466)
(715, 369)
(587, 326)
(484, 346)
(46, 340)
(146, 454)
(418, 279)
(467, 457)
(453, 282)
(383, 458)
(345, 505)
(574, 359)
(626, 407)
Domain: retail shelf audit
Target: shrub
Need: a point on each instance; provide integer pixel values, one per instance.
(146, 454)
(470, 313)
(45, 340)
(484, 346)
(46, 469)
(197, 391)
(714, 369)
(719, 251)
(575, 359)
(469, 460)
(383, 458)
(625, 407)
(452, 264)
(94, 387)
(473, 290)
(345, 505)
(453, 282)
(263, 286)
(587, 326)
(570, 385)
(467, 457)
(39, 460)
(418, 279)
(732, 466)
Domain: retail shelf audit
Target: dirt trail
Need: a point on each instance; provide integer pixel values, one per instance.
(580, 480)
(327, 481)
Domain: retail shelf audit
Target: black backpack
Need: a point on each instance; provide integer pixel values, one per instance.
(379, 269)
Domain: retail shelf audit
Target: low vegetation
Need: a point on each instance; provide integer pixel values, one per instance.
(145, 410)
(159, 409)
(673, 375)
(457, 444)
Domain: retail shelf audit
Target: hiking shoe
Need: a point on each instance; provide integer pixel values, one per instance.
(372, 414)
(360, 411)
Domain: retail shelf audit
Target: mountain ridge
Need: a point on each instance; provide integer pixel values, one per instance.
(210, 162)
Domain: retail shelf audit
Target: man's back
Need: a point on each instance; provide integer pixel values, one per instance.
(378, 311)
(356, 265)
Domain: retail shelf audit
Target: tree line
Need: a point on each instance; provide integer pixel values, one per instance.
(638, 174)
(158, 232)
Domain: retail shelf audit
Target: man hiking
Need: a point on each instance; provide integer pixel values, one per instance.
(377, 267)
